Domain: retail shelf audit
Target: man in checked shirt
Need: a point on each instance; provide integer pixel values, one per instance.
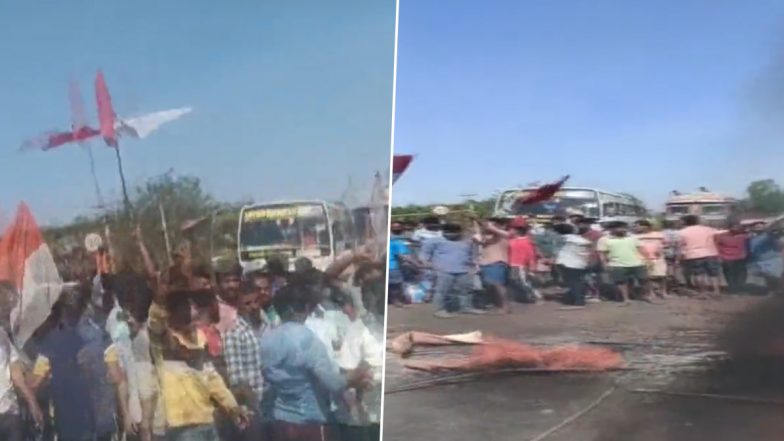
(243, 361)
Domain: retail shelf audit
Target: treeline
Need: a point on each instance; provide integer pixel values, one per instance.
(763, 197)
(170, 211)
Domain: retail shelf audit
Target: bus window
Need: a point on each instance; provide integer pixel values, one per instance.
(678, 210)
(628, 210)
(611, 209)
(284, 226)
(714, 210)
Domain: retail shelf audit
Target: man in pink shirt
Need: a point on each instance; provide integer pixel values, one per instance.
(652, 243)
(700, 257)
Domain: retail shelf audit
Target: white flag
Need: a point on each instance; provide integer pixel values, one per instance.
(141, 126)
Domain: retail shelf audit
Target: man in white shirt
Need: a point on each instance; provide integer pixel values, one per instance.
(572, 262)
(126, 325)
(358, 411)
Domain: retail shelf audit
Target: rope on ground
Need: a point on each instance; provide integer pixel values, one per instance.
(465, 377)
(576, 416)
(740, 399)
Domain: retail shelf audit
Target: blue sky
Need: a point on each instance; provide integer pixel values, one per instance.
(642, 97)
(290, 98)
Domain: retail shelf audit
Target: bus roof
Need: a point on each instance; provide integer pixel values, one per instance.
(598, 190)
(700, 197)
(291, 202)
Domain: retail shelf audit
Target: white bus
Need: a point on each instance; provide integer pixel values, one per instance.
(314, 229)
(592, 203)
(713, 209)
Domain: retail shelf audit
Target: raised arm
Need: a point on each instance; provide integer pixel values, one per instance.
(493, 229)
(339, 265)
(149, 264)
(110, 249)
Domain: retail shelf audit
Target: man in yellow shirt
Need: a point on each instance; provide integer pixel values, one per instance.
(190, 384)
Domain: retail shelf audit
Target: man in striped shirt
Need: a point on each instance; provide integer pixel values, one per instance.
(243, 360)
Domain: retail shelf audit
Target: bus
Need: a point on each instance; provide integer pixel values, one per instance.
(713, 209)
(314, 229)
(592, 203)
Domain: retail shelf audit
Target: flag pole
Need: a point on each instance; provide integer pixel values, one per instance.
(126, 199)
(165, 228)
(95, 176)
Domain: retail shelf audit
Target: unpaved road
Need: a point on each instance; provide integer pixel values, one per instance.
(660, 342)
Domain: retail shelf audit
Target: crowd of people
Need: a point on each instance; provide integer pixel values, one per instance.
(180, 352)
(484, 266)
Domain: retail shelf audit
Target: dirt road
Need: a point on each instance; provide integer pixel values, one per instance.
(667, 347)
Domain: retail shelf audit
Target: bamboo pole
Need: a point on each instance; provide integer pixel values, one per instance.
(165, 228)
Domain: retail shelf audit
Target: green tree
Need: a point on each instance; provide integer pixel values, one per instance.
(765, 197)
(177, 199)
(182, 200)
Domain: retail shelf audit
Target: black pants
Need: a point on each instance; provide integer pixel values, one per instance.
(395, 293)
(359, 433)
(735, 273)
(574, 279)
(10, 427)
(282, 431)
(520, 290)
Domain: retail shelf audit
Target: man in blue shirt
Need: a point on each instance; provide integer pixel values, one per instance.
(300, 375)
(72, 359)
(398, 254)
(454, 259)
(765, 258)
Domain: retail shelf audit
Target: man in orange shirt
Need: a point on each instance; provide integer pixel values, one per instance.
(522, 261)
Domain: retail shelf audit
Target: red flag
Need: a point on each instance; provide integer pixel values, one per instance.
(543, 193)
(399, 165)
(54, 139)
(26, 262)
(106, 114)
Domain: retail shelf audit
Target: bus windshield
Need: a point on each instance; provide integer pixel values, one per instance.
(565, 202)
(678, 210)
(714, 210)
(285, 226)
